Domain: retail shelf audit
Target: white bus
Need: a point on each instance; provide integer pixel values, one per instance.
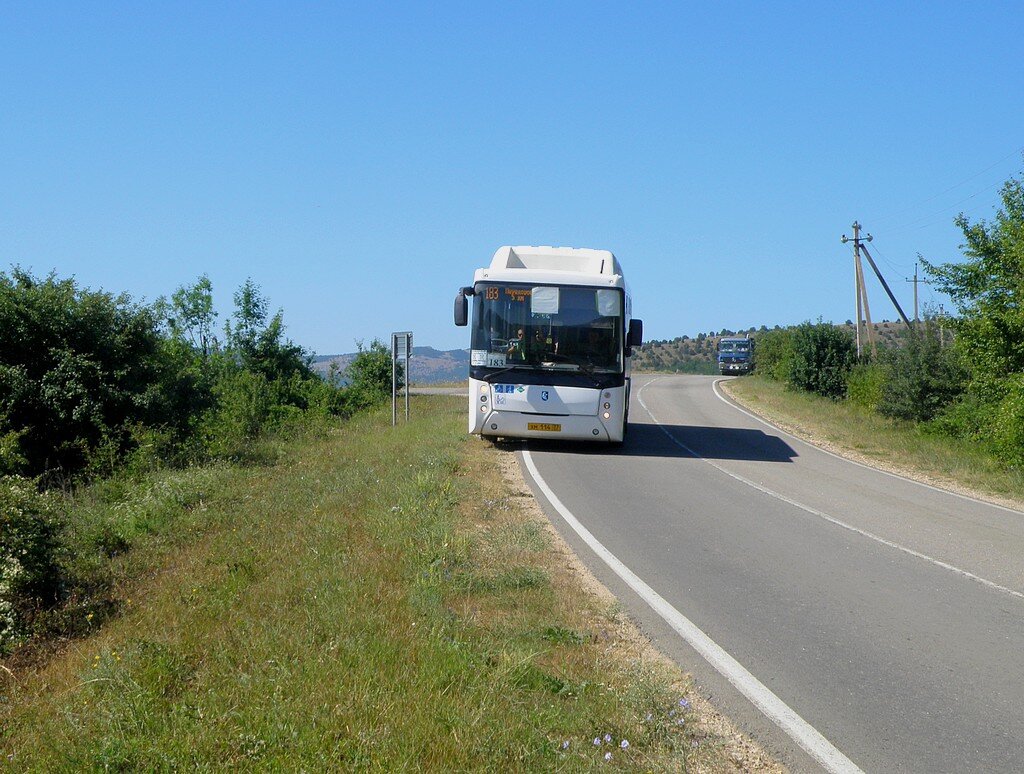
(552, 333)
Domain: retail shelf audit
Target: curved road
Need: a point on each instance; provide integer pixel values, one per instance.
(884, 615)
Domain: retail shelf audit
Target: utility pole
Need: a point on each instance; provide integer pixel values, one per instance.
(858, 246)
(915, 280)
(863, 311)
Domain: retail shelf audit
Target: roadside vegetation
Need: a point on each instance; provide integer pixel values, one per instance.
(953, 404)
(369, 598)
(116, 416)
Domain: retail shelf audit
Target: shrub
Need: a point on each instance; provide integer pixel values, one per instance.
(29, 573)
(921, 378)
(76, 368)
(822, 356)
(1008, 429)
(774, 353)
(369, 377)
(244, 402)
(864, 385)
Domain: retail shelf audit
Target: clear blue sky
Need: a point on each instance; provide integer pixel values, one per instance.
(359, 161)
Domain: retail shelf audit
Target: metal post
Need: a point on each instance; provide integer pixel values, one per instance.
(401, 346)
(408, 357)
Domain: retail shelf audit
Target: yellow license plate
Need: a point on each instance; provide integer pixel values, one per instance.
(543, 427)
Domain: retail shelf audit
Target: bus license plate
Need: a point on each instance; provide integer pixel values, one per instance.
(544, 427)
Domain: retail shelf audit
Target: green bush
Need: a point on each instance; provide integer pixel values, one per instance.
(922, 378)
(822, 356)
(29, 573)
(369, 377)
(243, 410)
(864, 385)
(1008, 429)
(774, 353)
(989, 412)
(77, 368)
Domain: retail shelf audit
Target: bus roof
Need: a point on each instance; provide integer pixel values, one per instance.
(557, 265)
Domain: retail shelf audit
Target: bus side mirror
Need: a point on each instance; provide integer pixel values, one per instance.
(636, 333)
(462, 306)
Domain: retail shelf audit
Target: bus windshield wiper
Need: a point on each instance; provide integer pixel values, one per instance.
(489, 378)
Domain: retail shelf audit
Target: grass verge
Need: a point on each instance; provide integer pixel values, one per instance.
(900, 447)
(377, 599)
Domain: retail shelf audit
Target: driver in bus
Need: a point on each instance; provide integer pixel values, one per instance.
(517, 346)
(597, 347)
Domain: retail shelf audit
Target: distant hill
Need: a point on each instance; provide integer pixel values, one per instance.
(428, 365)
(683, 354)
(698, 354)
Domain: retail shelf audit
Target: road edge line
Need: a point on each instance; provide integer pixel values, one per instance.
(782, 715)
(767, 423)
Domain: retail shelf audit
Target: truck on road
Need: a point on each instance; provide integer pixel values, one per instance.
(735, 355)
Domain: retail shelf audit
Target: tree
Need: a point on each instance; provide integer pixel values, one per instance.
(261, 346)
(191, 315)
(988, 287)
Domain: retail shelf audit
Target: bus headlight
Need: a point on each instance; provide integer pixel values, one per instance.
(607, 405)
(607, 415)
(483, 408)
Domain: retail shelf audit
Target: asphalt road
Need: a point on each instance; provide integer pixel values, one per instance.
(887, 615)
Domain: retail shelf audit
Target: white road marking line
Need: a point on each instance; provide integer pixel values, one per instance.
(776, 710)
(821, 514)
(788, 434)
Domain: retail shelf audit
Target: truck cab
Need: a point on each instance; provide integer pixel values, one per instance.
(735, 355)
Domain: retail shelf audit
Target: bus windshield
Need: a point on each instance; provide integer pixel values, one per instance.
(734, 346)
(547, 327)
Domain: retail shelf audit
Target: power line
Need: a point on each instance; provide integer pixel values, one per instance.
(932, 198)
(920, 223)
(899, 269)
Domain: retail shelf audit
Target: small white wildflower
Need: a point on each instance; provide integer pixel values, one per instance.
(608, 738)
(565, 745)
(624, 744)
(597, 741)
(607, 756)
